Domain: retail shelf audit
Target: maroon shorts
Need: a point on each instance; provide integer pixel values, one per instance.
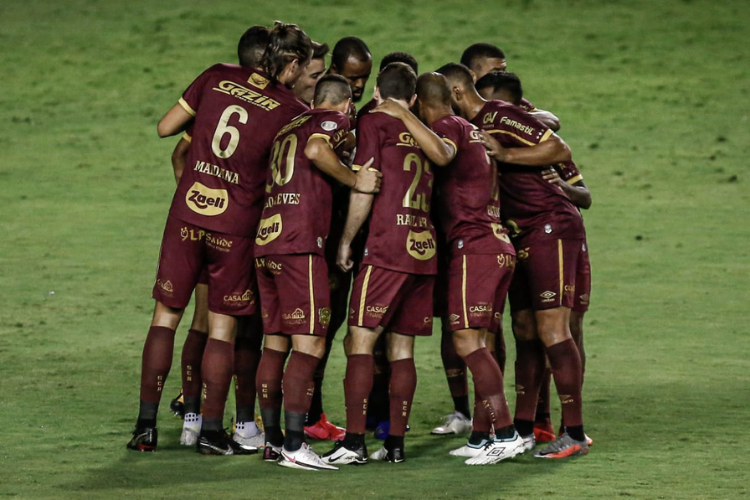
(477, 286)
(294, 294)
(399, 302)
(545, 274)
(186, 250)
(583, 281)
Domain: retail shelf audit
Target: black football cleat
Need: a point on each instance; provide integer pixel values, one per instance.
(144, 439)
(394, 455)
(177, 406)
(271, 453)
(219, 443)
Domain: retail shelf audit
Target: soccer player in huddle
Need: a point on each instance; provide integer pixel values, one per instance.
(481, 59)
(292, 272)
(187, 404)
(392, 291)
(566, 176)
(304, 89)
(548, 233)
(480, 262)
(235, 112)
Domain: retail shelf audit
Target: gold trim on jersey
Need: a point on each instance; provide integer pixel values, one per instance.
(318, 135)
(575, 179)
(312, 292)
(186, 106)
(463, 291)
(363, 296)
(560, 263)
(187, 137)
(546, 135)
(451, 143)
(497, 131)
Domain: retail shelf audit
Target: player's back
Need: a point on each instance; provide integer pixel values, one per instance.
(237, 113)
(467, 192)
(401, 236)
(529, 202)
(297, 210)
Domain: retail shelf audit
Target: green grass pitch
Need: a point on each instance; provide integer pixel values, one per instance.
(653, 99)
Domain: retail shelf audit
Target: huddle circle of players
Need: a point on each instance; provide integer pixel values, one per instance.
(293, 212)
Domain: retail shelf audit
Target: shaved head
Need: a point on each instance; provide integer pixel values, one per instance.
(433, 89)
(457, 75)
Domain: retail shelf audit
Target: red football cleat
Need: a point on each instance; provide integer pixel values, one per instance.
(325, 430)
(544, 432)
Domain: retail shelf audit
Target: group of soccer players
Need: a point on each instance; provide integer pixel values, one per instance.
(445, 194)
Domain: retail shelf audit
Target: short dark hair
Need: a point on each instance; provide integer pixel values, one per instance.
(286, 43)
(508, 82)
(457, 73)
(402, 57)
(433, 89)
(252, 45)
(480, 50)
(332, 88)
(319, 50)
(397, 81)
(347, 47)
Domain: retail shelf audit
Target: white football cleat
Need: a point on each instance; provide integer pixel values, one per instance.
(469, 450)
(304, 458)
(498, 450)
(529, 442)
(455, 423)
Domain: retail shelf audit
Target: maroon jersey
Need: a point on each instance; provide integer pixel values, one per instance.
(530, 203)
(526, 104)
(568, 171)
(401, 236)
(237, 114)
(468, 193)
(369, 106)
(297, 210)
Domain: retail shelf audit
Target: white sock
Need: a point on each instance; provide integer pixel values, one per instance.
(247, 429)
(193, 421)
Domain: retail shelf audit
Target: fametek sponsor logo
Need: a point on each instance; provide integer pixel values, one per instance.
(421, 245)
(206, 201)
(269, 229)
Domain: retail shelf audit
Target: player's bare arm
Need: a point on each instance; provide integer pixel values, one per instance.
(437, 150)
(578, 193)
(179, 157)
(360, 205)
(175, 121)
(551, 151)
(320, 153)
(547, 118)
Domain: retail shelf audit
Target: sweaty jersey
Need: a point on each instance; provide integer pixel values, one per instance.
(401, 236)
(467, 193)
(531, 205)
(237, 114)
(297, 208)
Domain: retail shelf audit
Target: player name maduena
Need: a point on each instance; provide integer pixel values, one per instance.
(217, 171)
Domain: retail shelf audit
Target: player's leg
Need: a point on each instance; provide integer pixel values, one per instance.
(552, 316)
(271, 367)
(317, 425)
(179, 265)
(458, 422)
(230, 295)
(189, 400)
(247, 352)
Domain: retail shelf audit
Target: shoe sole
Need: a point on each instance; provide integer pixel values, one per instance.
(285, 462)
(571, 451)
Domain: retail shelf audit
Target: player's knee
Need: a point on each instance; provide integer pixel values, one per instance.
(313, 346)
(360, 341)
(467, 341)
(524, 326)
(400, 347)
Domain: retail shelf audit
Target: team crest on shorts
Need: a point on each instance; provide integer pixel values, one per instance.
(324, 316)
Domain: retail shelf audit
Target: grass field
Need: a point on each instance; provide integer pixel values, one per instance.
(653, 99)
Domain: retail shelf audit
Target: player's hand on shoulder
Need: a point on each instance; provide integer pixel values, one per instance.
(391, 108)
(368, 179)
(494, 149)
(550, 175)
